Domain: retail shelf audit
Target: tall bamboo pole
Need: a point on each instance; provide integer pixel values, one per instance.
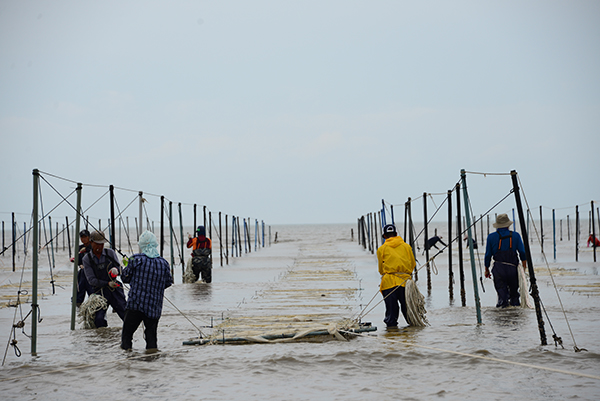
(141, 215)
(405, 219)
(239, 235)
(68, 237)
(220, 240)
(411, 235)
(577, 233)
(111, 189)
(534, 288)
(425, 239)
(171, 236)
(34, 271)
(542, 228)
(162, 228)
(51, 242)
(593, 232)
(181, 236)
(461, 270)
(471, 242)
(14, 241)
(450, 272)
(76, 261)
(554, 232)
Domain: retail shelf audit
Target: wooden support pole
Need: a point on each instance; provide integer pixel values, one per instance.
(220, 240)
(481, 225)
(534, 288)
(405, 219)
(76, 261)
(239, 236)
(210, 225)
(542, 229)
(577, 233)
(162, 227)
(471, 242)
(554, 232)
(111, 190)
(561, 231)
(34, 270)
(593, 232)
(51, 243)
(195, 217)
(171, 237)
(141, 215)
(376, 230)
(450, 272)
(425, 239)
(245, 237)
(463, 294)
(14, 241)
(181, 236)
(233, 236)
(411, 235)
(69, 237)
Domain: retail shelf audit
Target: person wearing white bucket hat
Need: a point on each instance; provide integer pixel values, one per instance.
(506, 248)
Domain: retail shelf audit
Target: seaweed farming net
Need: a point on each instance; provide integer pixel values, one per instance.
(311, 300)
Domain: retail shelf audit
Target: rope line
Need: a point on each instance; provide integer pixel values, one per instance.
(487, 358)
(485, 174)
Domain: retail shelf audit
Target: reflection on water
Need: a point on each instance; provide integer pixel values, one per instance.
(202, 292)
(510, 318)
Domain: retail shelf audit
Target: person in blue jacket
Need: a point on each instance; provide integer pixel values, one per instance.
(506, 248)
(149, 275)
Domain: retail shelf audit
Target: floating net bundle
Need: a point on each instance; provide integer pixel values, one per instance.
(188, 275)
(88, 309)
(415, 305)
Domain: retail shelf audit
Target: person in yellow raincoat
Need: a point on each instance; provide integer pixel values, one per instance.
(396, 263)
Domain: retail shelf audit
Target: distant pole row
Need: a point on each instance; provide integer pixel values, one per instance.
(37, 244)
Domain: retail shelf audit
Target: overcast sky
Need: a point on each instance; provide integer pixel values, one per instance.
(300, 112)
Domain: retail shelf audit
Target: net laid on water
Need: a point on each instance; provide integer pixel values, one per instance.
(312, 300)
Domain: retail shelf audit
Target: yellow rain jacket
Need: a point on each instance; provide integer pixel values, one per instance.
(396, 262)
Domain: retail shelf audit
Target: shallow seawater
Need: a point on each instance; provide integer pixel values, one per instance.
(316, 275)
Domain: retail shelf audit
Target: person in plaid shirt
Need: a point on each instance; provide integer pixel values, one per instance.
(148, 275)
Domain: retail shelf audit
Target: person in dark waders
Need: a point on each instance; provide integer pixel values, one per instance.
(201, 254)
(83, 287)
(97, 265)
(431, 242)
(149, 275)
(396, 263)
(506, 248)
